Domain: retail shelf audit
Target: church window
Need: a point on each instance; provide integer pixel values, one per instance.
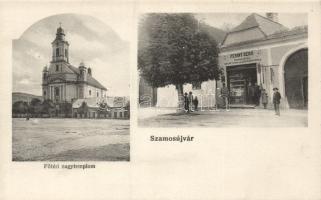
(57, 51)
(57, 68)
(90, 92)
(56, 91)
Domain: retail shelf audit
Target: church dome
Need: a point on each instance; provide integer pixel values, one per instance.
(45, 68)
(82, 64)
(60, 30)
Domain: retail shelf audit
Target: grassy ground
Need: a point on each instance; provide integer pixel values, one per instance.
(70, 140)
(222, 118)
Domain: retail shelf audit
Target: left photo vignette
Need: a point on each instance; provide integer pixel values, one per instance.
(70, 91)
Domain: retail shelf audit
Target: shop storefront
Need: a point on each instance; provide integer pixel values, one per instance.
(253, 62)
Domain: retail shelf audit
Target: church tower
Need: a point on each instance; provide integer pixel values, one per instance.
(60, 47)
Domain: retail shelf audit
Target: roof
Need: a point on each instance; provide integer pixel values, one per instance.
(91, 102)
(117, 101)
(294, 31)
(112, 102)
(90, 80)
(255, 20)
(254, 28)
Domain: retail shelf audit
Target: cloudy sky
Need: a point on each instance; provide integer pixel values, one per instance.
(91, 41)
(220, 20)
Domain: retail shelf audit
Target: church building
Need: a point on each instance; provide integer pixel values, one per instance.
(63, 82)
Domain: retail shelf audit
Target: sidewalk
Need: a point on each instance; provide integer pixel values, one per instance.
(161, 117)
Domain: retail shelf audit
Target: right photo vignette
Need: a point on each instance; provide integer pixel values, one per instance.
(223, 70)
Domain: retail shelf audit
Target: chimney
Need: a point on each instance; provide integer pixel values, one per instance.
(272, 17)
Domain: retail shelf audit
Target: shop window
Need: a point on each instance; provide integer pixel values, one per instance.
(196, 85)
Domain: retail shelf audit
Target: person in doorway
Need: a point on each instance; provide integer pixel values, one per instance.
(186, 102)
(225, 96)
(276, 100)
(251, 94)
(195, 103)
(190, 101)
(264, 98)
(257, 94)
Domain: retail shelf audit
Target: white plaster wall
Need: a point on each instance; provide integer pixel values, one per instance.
(168, 97)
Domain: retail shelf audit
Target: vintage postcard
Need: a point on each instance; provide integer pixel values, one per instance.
(186, 100)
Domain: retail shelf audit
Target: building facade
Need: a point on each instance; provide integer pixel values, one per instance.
(262, 53)
(110, 107)
(62, 82)
(258, 53)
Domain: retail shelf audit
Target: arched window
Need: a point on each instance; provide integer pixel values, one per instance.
(57, 51)
(56, 91)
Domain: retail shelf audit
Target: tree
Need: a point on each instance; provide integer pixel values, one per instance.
(173, 50)
(83, 109)
(47, 107)
(20, 107)
(65, 108)
(127, 108)
(35, 106)
(103, 109)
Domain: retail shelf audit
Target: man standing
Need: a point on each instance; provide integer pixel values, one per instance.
(186, 102)
(257, 94)
(264, 98)
(276, 101)
(196, 103)
(190, 99)
(225, 96)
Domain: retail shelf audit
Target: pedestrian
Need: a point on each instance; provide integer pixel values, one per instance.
(276, 100)
(225, 95)
(251, 93)
(186, 102)
(264, 98)
(190, 101)
(195, 103)
(257, 94)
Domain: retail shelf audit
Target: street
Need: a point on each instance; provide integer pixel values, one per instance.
(70, 139)
(158, 117)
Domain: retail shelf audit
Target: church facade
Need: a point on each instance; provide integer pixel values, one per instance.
(63, 82)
